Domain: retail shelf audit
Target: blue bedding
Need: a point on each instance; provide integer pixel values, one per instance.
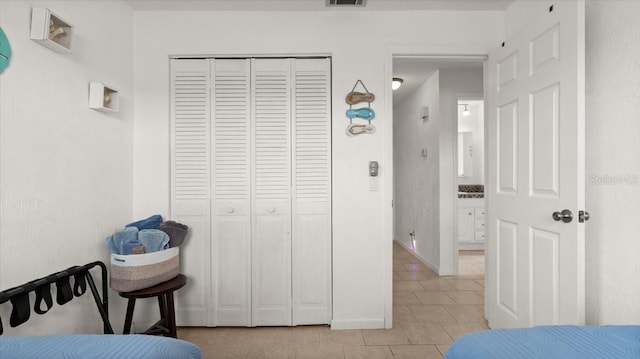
(104, 346)
(550, 342)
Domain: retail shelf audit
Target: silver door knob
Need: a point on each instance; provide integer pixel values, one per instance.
(565, 216)
(583, 216)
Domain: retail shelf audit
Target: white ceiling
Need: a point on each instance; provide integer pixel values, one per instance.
(415, 70)
(318, 5)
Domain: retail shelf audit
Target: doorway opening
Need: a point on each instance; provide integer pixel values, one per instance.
(425, 156)
(470, 186)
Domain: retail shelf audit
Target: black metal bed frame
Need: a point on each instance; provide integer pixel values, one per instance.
(19, 296)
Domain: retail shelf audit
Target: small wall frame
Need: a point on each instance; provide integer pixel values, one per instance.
(103, 97)
(51, 30)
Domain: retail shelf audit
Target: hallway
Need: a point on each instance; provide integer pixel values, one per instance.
(438, 308)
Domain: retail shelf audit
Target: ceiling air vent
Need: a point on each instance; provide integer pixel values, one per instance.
(346, 2)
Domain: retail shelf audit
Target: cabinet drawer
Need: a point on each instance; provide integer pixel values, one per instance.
(466, 212)
(480, 236)
(479, 225)
(480, 212)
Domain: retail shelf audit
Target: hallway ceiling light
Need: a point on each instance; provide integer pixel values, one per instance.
(396, 83)
(466, 111)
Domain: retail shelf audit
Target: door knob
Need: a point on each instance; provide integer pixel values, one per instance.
(565, 216)
(583, 216)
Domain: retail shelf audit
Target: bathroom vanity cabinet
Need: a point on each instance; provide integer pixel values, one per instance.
(471, 223)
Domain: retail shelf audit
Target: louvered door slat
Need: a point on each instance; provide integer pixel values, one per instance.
(271, 116)
(231, 129)
(312, 135)
(191, 133)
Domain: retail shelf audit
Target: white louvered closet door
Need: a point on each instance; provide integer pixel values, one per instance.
(311, 192)
(190, 184)
(271, 242)
(251, 176)
(231, 132)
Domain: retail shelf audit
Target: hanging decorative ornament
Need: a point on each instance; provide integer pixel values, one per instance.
(355, 130)
(366, 113)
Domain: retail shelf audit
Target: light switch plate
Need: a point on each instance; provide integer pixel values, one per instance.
(424, 113)
(373, 184)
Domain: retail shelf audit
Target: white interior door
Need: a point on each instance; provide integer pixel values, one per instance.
(535, 168)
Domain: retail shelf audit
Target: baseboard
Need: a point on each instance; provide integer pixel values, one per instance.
(342, 324)
(470, 246)
(422, 259)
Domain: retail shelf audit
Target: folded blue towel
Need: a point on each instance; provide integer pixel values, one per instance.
(129, 246)
(153, 240)
(147, 223)
(114, 242)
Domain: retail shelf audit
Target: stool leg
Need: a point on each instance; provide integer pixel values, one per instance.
(171, 316)
(162, 304)
(129, 317)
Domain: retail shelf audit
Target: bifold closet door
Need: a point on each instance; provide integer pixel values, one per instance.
(251, 176)
(191, 185)
(311, 191)
(231, 193)
(291, 241)
(271, 154)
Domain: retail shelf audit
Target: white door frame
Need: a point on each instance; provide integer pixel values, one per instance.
(420, 51)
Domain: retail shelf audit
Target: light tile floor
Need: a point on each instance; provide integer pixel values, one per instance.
(429, 313)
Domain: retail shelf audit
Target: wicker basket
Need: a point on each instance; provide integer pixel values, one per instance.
(138, 271)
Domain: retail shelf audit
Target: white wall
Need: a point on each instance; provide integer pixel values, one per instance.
(66, 170)
(357, 42)
(613, 162)
(453, 83)
(416, 185)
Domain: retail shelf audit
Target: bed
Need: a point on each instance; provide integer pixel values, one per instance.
(69, 283)
(550, 342)
(110, 346)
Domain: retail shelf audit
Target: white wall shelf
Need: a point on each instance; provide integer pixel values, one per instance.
(51, 30)
(103, 97)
